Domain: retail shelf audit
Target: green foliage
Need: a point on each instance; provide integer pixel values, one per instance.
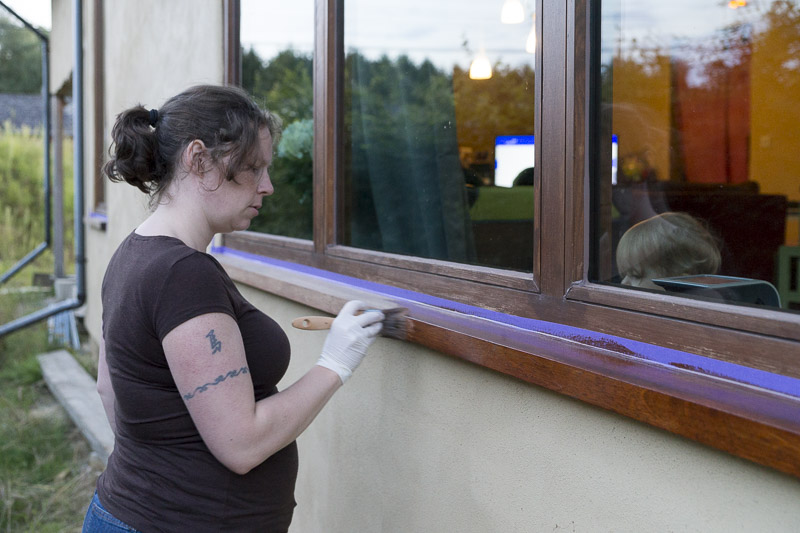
(20, 58)
(398, 115)
(289, 211)
(251, 67)
(283, 85)
(502, 104)
(46, 480)
(22, 199)
(297, 140)
(393, 98)
(23, 371)
(15, 347)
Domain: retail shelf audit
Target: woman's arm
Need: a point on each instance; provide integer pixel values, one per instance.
(207, 360)
(104, 386)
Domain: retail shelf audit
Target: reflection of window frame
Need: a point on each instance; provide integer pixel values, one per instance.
(733, 417)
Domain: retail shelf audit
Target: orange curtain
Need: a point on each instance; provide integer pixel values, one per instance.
(712, 104)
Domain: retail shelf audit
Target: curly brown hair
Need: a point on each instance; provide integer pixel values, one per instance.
(225, 119)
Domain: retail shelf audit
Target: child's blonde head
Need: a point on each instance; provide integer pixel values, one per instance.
(666, 245)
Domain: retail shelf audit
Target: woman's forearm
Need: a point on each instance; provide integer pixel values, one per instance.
(279, 419)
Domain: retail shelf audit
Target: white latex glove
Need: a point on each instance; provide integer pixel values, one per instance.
(350, 336)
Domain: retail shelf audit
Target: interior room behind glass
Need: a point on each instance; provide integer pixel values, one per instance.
(438, 130)
(696, 183)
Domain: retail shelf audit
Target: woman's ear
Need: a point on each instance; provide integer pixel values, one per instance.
(195, 157)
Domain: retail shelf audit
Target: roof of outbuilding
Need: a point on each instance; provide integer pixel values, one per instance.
(27, 110)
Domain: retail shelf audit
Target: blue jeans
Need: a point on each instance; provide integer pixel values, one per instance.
(98, 520)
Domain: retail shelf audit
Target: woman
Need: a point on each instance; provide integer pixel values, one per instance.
(188, 368)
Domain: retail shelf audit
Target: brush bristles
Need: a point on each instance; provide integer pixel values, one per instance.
(395, 323)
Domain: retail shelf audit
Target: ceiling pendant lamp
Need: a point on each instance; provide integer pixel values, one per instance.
(480, 69)
(513, 12)
(530, 44)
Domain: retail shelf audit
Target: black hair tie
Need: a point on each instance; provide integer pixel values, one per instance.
(153, 117)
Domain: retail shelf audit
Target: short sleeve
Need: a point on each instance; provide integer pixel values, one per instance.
(193, 286)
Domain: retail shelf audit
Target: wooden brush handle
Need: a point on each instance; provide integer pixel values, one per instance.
(313, 322)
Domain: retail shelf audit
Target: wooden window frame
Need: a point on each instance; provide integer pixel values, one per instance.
(231, 46)
(98, 220)
(751, 422)
(99, 105)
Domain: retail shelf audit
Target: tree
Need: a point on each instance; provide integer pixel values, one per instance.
(283, 85)
(503, 104)
(20, 59)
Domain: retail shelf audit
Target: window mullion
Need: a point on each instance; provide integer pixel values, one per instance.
(552, 148)
(326, 17)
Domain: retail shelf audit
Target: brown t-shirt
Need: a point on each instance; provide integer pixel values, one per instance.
(161, 476)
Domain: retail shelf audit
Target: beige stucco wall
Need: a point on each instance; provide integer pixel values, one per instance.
(420, 442)
(60, 44)
(149, 57)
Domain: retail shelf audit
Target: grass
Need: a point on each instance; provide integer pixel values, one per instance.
(47, 474)
(47, 471)
(22, 199)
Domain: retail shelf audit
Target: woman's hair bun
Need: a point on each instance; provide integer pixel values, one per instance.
(134, 150)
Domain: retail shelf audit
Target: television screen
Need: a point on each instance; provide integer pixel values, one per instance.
(614, 154)
(515, 153)
(512, 155)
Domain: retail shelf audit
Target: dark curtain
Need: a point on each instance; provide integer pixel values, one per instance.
(406, 189)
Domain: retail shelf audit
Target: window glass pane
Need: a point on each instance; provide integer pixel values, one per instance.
(277, 45)
(696, 180)
(437, 163)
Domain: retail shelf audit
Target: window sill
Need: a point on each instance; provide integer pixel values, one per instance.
(746, 412)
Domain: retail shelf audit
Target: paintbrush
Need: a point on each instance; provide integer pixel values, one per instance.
(394, 322)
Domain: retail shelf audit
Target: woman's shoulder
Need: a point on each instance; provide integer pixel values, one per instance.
(161, 249)
(158, 257)
(194, 264)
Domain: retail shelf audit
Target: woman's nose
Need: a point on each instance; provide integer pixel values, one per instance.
(265, 186)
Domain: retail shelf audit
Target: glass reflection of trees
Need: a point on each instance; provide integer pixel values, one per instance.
(416, 140)
(283, 84)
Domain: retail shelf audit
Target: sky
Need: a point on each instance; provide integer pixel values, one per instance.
(36, 12)
(374, 27)
(421, 29)
(438, 30)
(671, 26)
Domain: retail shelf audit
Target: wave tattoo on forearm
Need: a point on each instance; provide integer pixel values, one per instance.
(220, 379)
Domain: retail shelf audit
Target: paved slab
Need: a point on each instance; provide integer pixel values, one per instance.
(76, 391)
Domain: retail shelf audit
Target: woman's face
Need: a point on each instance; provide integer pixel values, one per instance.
(236, 202)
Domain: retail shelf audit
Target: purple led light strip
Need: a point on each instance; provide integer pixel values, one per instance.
(657, 354)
